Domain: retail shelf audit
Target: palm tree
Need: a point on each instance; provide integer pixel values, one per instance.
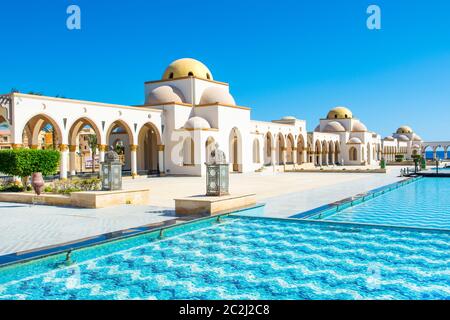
(92, 143)
(48, 128)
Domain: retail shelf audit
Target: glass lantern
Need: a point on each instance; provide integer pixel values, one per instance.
(111, 172)
(217, 179)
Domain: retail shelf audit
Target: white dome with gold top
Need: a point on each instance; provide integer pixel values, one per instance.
(187, 67)
(340, 113)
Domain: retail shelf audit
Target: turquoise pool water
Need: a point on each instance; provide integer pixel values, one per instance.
(247, 258)
(423, 204)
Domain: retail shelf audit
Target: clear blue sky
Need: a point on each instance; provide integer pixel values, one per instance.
(281, 57)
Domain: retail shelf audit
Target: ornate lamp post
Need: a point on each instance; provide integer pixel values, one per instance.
(111, 172)
(217, 174)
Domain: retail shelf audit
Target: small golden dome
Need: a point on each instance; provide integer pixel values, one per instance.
(404, 130)
(187, 67)
(340, 113)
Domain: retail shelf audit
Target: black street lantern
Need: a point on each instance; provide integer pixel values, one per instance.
(111, 172)
(217, 174)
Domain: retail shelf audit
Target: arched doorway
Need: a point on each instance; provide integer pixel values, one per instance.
(119, 136)
(331, 153)
(300, 150)
(268, 145)
(188, 152)
(280, 149)
(290, 149)
(256, 158)
(318, 153)
(84, 141)
(353, 154)
(324, 153)
(236, 150)
(337, 153)
(147, 152)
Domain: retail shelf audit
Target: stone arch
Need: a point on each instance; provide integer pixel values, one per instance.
(32, 132)
(353, 154)
(318, 153)
(235, 149)
(290, 146)
(119, 133)
(300, 149)
(324, 153)
(337, 153)
(331, 155)
(256, 158)
(86, 152)
(268, 146)
(281, 145)
(188, 152)
(149, 139)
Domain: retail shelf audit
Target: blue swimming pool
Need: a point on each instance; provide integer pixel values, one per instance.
(246, 258)
(424, 203)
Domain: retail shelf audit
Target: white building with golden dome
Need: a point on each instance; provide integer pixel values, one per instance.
(403, 142)
(184, 115)
(341, 138)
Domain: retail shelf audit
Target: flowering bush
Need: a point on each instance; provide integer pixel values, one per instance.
(73, 185)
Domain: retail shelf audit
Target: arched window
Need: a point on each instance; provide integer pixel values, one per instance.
(208, 76)
(171, 75)
(353, 154)
(256, 151)
(188, 152)
(268, 146)
(190, 74)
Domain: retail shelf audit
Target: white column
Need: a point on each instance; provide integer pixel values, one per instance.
(294, 156)
(333, 158)
(133, 152)
(72, 160)
(101, 152)
(283, 156)
(64, 149)
(304, 156)
(272, 156)
(162, 169)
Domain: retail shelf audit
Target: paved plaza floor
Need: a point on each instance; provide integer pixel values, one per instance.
(28, 227)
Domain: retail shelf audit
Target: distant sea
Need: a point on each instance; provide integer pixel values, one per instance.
(439, 154)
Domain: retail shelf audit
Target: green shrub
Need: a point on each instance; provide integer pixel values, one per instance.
(12, 187)
(24, 162)
(399, 157)
(74, 185)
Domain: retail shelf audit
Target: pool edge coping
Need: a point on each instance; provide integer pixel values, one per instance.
(104, 238)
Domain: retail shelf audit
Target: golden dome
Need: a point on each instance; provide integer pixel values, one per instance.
(187, 67)
(340, 113)
(404, 129)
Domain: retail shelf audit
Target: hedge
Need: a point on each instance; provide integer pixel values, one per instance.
(25, 162)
